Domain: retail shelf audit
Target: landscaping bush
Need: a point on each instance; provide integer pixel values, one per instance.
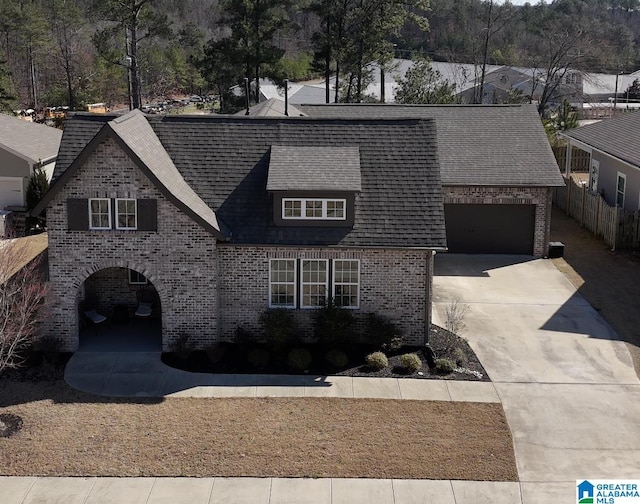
(216, 352)
(410, 362)
(334, 326)
(383, 333)
(445, 366)
(183, 346)
(460, 357)
(377, 360)
(280, 328)
(299, 359)
(337, 358)
(244, 336)
(259, 357)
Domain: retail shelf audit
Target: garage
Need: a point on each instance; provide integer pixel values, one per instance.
(11, 192)
(490, 229)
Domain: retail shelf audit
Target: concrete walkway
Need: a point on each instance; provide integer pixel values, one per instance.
(253, 491)
(142, 374)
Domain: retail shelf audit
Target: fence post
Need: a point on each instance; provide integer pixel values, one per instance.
(616, 221)
(569, 182)
(584, 197)
(598, 209)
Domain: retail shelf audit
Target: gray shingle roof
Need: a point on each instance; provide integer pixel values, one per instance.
(31, 141)
(618, 137)
(271, 107)
(481, 145)
(226, 160)
(300, 168)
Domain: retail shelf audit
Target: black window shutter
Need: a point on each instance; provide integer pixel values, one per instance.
(78, 214)
(147, 215)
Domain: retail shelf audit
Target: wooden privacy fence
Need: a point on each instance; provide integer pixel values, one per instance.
(579, 159)
(620, 229)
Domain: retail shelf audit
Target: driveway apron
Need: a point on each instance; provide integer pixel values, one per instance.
(566, 382)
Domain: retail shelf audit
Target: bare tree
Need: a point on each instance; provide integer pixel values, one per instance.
(22, 299)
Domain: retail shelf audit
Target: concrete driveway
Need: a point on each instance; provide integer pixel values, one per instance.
(566, 382)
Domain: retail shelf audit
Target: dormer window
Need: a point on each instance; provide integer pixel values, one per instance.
(306, 208)
(314, 186)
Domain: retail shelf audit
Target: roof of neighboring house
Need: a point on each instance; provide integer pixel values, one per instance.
(334, 168)
(225, 159)
(30, 141)
(19, 252)
(272, 107)
(619, 136)
(478, 145)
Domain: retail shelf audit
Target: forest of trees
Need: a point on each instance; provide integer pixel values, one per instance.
(73, 52)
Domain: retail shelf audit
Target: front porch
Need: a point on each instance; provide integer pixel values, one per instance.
(136, 335)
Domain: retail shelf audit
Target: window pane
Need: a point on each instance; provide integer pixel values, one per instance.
(335, 209)
(292, 208)
(282, 283)
(313, 208)
(346, 283)
(314, 283)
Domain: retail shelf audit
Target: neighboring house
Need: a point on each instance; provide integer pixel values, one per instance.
(228, 216)
(24, 146)
(273, 107)
(497, 172)
(502, 85)
(614, 147)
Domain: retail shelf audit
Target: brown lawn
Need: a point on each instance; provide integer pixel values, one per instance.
(69, 433)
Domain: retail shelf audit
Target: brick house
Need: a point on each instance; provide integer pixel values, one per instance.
(497, 172)
(217, 219)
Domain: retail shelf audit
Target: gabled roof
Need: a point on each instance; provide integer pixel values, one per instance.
(478, 145)
(31, 141)
(225, 159)
(134, 134)
(619, 137)
(301, 168)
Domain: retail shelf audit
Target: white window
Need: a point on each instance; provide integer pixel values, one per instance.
(282, 283)
(136, 278)
(346, 283)
(620, 189)
(126, 213)
(303, 208)
(99, 213)
(313, 284)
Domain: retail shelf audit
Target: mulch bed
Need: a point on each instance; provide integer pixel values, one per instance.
(234, 358)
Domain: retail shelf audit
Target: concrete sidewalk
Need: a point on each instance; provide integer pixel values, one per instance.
(255, 491)
(143, 374)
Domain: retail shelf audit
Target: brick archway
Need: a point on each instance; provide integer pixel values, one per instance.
(79, 283)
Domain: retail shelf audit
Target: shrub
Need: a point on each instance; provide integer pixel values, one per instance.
(299, 359)
(455, 313)
(377, 360)
(334, 326)
(242, 335)
(410, 362)
(258, 357)
(383, 333)
(445, 366)
(183, 346)
(216, 352)
(279, 326)
(50, 348)
(460, 357)
(337, 358)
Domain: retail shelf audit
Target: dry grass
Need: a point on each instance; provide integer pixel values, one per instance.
(69, 433)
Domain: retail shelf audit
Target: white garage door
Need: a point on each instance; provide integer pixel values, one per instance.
(11, 191)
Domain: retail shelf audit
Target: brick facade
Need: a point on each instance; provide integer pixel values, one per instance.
(179, 259)
(203, 289)
(393, 282)
(538, 196)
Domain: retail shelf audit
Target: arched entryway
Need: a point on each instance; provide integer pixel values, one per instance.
(119, 309)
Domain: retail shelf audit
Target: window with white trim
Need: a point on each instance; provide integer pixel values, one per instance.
(621, 185)
(314, 208)
(314, 283)
(99, 213)
(346, 283)
(282, 283)
(126, 213)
